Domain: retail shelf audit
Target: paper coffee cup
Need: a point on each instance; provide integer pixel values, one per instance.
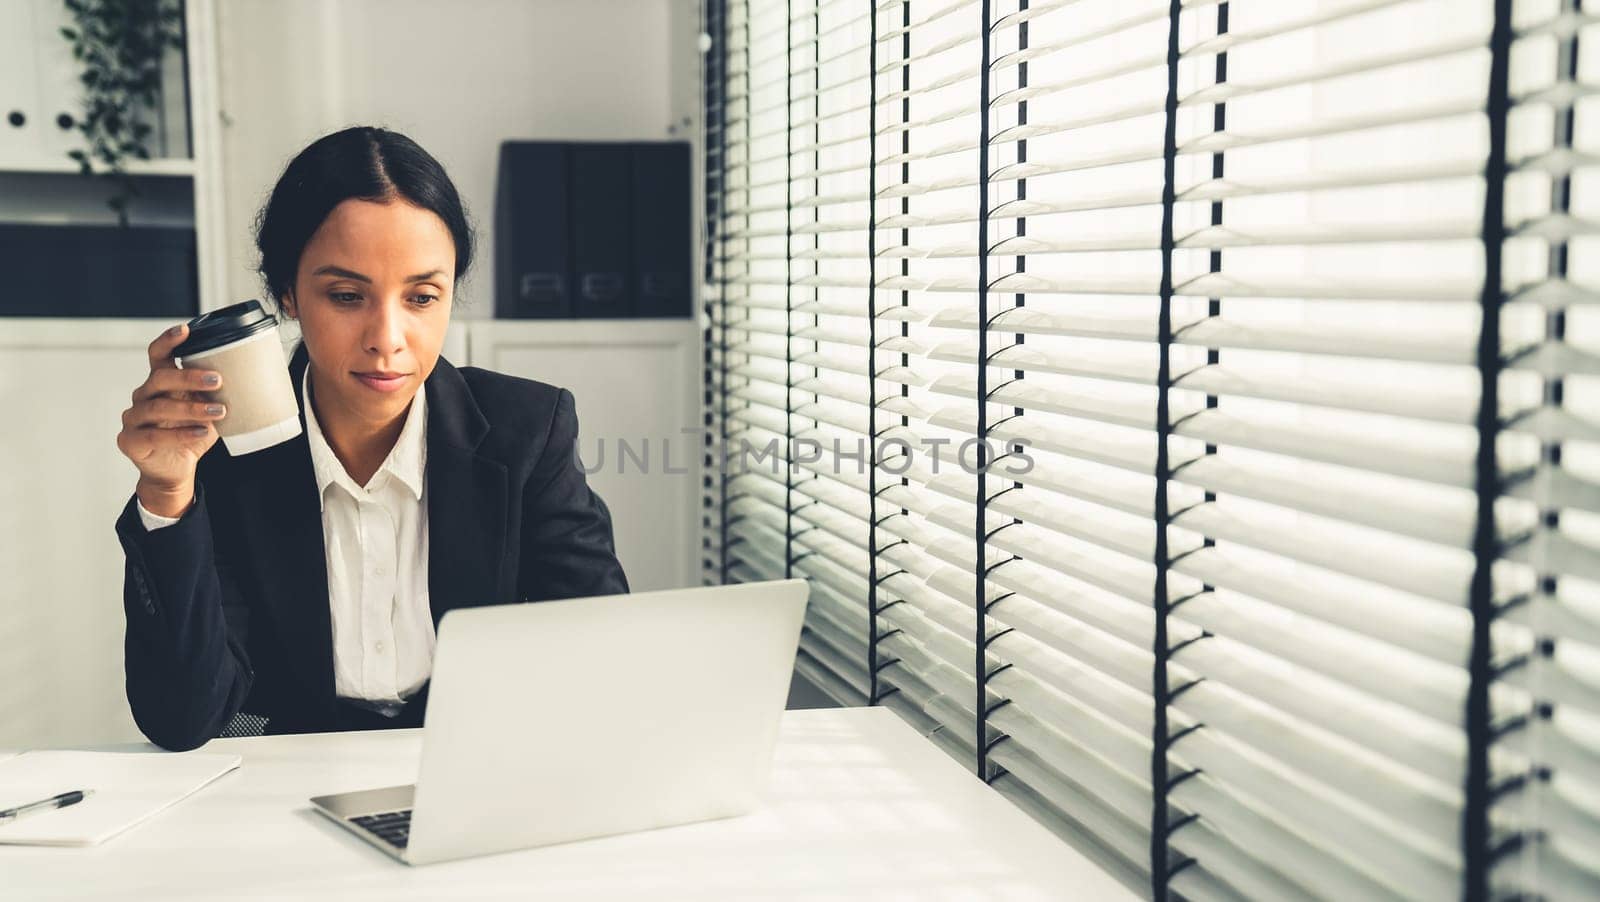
(241, 343)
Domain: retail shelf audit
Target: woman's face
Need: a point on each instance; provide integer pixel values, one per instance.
(373, 295)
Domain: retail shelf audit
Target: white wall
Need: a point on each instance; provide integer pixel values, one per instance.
(458, 77)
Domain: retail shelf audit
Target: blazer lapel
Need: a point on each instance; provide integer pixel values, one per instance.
(466, 500)
(286, 537)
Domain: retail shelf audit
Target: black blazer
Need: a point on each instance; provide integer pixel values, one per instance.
(227, 610)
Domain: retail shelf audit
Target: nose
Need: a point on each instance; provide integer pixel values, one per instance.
(385, 332)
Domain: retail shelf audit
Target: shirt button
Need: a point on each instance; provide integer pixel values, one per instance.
(378, 645)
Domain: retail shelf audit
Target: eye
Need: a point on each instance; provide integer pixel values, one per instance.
(423, 300)
(344, 297)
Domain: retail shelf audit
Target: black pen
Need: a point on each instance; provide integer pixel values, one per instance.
(60, 801)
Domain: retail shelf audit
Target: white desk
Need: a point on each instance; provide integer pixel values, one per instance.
(861, 807)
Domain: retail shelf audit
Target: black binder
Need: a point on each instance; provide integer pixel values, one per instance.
(531, 248)
(593, 230)
(661, 226)
(602, 239)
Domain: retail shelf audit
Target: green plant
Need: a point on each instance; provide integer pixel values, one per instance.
(120, 44)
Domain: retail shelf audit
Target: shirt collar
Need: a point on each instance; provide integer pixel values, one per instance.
(407, 460)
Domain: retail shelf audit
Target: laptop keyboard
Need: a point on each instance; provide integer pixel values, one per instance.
(393, 827)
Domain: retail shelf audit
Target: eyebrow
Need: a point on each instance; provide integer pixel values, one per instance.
(350, 274)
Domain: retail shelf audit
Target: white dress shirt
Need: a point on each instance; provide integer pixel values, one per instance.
(376, 539)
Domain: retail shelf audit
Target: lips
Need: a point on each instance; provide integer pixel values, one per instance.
(382, 381)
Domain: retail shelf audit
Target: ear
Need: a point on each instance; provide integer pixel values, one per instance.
(288, 304)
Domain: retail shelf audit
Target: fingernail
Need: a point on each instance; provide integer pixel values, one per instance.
(214, 409)
(175, 329)
(212, 379)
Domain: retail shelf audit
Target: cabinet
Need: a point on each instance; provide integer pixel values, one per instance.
(51, 215)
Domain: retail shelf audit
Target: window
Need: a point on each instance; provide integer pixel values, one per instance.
(1278, 522)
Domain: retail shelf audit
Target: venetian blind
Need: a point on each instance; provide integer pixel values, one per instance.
(1185, 414)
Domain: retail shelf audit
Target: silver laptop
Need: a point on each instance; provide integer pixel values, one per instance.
(564, 720)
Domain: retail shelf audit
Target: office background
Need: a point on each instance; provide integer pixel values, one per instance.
(263, 79)
(1285, 554)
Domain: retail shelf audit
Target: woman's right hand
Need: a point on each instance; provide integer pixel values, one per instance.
(169, 427)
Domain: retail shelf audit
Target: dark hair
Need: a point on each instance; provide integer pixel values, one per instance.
(362, 163)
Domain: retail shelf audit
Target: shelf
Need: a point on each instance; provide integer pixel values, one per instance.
(172, 167)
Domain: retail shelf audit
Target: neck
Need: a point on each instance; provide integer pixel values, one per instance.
(361, 445)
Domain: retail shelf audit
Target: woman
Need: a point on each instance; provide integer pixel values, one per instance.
(305, 582)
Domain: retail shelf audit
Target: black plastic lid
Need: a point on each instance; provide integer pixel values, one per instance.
(225, 326)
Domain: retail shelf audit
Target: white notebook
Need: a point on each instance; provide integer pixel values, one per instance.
(129, 787)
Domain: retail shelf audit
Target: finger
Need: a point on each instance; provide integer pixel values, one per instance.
(145, 442)
(170, 413)
(155, 437)
(198, 438)
(161, 349)
(173, 382)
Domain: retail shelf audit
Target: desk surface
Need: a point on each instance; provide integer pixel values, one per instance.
(860, 807)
